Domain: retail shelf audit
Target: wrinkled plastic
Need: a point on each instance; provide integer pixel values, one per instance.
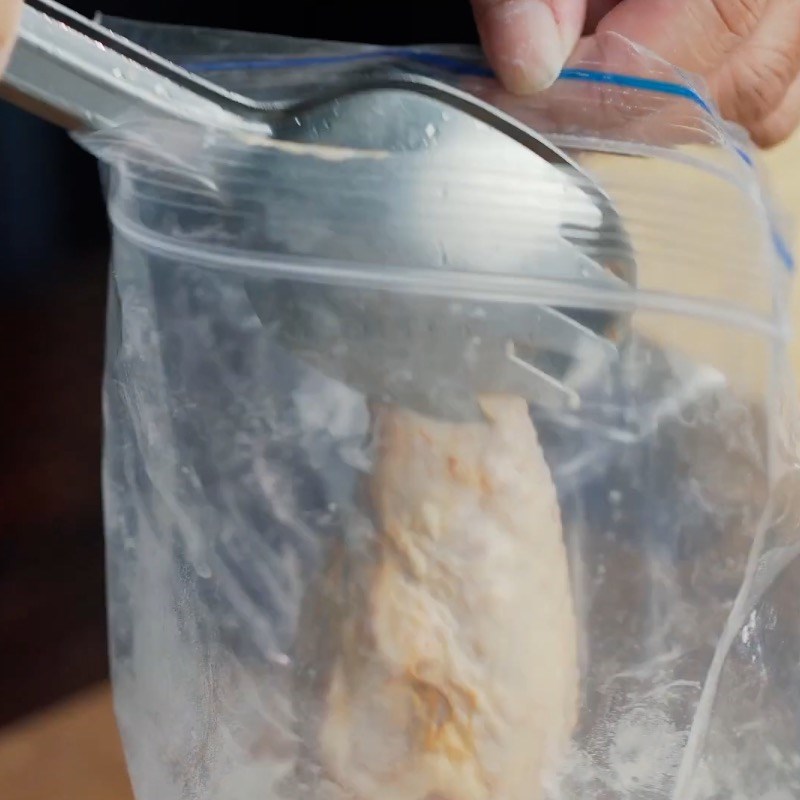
(233, 467)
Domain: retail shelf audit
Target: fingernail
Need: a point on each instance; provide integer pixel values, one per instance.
(524, 44)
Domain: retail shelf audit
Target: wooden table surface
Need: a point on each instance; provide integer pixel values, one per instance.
(72, 752)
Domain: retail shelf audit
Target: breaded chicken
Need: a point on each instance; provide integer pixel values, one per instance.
(444, 660)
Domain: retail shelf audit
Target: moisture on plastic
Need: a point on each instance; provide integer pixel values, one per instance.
(234, 468)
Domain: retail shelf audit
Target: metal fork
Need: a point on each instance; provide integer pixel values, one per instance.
(477, 192)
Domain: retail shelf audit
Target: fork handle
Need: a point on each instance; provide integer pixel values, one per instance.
(80, 75)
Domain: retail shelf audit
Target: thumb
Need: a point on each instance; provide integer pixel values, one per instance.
(528, 41)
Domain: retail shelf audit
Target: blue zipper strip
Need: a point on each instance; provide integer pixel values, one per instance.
(470, 68)
(632, 82)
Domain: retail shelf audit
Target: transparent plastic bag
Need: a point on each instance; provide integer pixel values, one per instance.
(235, 470)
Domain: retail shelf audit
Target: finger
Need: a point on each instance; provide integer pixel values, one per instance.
(528, 41)
(778, 126)
(599, 108)
(10, 11)
(695, 35)
(753, 82)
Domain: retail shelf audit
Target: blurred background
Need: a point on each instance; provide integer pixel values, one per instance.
(54, 244)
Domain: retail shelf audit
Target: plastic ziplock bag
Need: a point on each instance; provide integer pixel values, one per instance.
(301, 605)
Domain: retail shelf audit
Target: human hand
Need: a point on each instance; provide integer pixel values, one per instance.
(748, 51)
(9, 19)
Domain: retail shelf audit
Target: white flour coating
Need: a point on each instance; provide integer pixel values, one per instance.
(646, 751)
(449, 668)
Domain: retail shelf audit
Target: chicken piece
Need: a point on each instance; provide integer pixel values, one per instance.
(443, 664)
